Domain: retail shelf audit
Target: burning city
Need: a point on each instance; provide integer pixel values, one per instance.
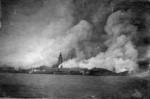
(75, 49)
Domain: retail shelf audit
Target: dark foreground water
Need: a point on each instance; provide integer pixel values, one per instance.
(70, 86)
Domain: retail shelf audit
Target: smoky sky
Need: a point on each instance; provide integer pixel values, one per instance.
(34, 32)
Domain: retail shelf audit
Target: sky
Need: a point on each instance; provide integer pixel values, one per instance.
(89, 33)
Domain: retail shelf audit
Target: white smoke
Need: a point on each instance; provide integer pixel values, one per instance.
(37, 36)
(66, 43)
(120, 54)
(32, 37)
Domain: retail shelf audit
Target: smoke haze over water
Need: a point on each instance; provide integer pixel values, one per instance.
(89, 33)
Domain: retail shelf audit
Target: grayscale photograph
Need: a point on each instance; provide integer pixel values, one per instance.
(75, 49)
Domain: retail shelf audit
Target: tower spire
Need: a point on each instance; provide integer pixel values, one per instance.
(60, 59)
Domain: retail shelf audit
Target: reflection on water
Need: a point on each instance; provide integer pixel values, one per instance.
(69, 86)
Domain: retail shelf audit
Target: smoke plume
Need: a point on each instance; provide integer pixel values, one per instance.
(122, 51)
(111, 34)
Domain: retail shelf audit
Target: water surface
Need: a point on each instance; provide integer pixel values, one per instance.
(68, 86)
